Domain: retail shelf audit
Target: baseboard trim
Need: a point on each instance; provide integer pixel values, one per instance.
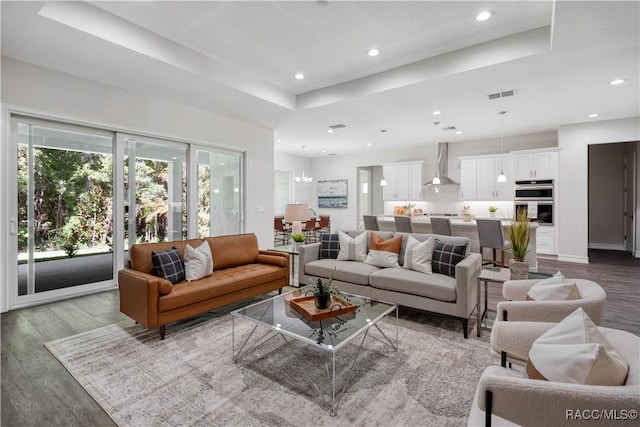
(574, 258)
(607, 246)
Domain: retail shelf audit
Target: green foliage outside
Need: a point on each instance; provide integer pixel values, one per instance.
(72, 200)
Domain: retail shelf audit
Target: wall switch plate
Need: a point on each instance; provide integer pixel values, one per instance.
(260, 209)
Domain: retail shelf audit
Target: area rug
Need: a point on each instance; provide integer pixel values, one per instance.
(189, 379)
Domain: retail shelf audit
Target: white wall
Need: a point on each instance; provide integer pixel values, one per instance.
(572, 190)
(606, 196)
(62, 96)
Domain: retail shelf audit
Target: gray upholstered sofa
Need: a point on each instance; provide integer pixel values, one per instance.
(437, 293)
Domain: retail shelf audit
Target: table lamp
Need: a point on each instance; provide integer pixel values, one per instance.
(296, 213)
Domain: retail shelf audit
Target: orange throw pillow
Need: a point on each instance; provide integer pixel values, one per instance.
(390, 245)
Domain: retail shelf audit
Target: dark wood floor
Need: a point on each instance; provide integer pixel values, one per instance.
(38, 391)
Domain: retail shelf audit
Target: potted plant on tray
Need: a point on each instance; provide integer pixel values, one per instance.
(322, 290)
(492, 211)
(519, 235)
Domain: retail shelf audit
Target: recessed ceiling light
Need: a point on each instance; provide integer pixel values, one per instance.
(369, 144)
(330, 130)
(373, 52)
(617, 82)
(323, 151)
(594, 115)
(483, 16)
(278, 140)
(437, 113)
(458, 132)
(298, 76)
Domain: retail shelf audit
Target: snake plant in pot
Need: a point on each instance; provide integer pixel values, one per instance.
(519, 234)
(322, 290)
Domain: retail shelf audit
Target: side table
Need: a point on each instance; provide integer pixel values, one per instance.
(495, 275)
(291, 250)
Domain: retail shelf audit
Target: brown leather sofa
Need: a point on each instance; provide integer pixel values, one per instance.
(240, 271)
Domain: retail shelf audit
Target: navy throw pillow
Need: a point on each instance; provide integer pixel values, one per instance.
(168, 265)
(329, 246)
(446, 256)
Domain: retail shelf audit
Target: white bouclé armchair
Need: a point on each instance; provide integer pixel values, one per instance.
(505, 397)
(517, 308)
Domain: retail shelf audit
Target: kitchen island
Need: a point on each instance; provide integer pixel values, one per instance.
(422, 224)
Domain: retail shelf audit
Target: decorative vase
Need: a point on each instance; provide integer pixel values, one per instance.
(296, 245)
(466, 217)
(519, 269)
(322, 301)
(492, 214)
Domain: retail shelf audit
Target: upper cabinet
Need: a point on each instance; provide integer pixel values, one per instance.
(468, 179)
(535, 165)
(404, 181)
(479, 178)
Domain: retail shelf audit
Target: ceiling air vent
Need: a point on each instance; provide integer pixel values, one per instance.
(340, 126)
(449, 128)
(499, 95)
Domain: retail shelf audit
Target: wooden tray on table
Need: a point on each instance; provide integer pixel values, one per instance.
(307, 307)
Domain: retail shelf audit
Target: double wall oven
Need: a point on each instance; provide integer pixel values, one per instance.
(536, 196)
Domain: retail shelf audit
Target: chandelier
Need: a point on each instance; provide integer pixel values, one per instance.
(303, 179)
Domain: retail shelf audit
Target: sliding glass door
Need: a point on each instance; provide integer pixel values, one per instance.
(83, 196)
(65, 207)
(155, 189)
(218, 198)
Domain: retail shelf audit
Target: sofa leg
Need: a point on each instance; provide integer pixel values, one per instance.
(163, 329)
(503, 359)
(465, 327)
(489, 408)
(279, 291)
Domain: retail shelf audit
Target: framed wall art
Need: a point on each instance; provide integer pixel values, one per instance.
(332, 193)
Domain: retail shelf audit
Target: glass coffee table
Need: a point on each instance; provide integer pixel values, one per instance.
(278, 319)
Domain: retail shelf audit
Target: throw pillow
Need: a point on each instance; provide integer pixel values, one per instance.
(329, 246)
(198, 262)
(417, 255)
(446, 256)
(384, 253)
(553, 292)
(382, 259)
(574, 351)
(168, 265)
(389, 245)
(555, 279)
(352, 249)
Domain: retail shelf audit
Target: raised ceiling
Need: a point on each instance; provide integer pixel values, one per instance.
(239, 58)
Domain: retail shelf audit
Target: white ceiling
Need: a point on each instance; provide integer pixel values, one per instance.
(238, 58)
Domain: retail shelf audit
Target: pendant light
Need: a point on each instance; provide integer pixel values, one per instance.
(502, 177)
(383, 181)
(303, 179)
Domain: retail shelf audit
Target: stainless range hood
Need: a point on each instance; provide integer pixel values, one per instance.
(441, 177)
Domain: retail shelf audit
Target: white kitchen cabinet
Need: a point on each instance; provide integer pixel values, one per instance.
(538, 165)
(546, 240)
(404, 181)
(468, 179)
(415, 181)
(479, 178)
